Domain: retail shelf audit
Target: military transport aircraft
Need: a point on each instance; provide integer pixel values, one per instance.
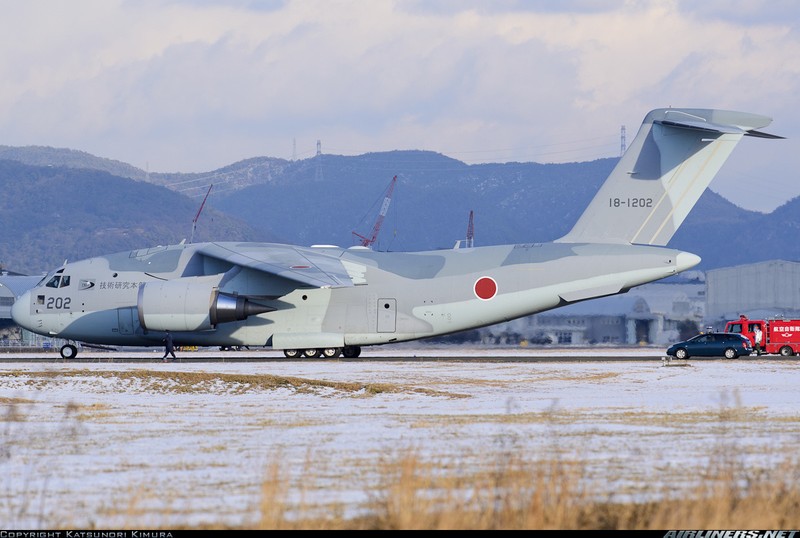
(326, 301)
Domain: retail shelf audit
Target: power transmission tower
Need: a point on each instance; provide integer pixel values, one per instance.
(470, 231)
(622, 144)
(318, 174)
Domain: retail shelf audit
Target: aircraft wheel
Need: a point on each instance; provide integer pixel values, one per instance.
(786, 351)
(730, 353)
(291, 353)
(331, 352)
(69, 351)
(351, 352)
(312, 353)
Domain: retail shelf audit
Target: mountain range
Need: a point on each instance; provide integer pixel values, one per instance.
(64, 204)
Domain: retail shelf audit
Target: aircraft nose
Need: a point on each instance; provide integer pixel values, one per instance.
(686, 260)
(21, 310)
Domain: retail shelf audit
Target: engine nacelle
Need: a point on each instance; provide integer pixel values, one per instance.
(191, 304)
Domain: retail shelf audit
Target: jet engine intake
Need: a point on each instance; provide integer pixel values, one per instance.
(191, 304)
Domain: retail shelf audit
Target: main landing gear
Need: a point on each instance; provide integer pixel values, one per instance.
(68, 351)
(349, 352)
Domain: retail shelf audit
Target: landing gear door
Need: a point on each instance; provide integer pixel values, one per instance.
(387, 315)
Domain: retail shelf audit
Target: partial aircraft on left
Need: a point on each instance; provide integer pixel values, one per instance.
(326, 300)
(12, 286)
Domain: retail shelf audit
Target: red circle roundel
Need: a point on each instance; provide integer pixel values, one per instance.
(485, 288)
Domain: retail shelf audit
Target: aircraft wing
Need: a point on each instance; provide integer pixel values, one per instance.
(303, 265)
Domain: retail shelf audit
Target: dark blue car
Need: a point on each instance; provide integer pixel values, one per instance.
(728, 345)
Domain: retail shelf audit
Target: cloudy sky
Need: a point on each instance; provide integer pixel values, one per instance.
(190, 86)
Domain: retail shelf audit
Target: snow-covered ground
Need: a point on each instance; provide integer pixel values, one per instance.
(146, 444)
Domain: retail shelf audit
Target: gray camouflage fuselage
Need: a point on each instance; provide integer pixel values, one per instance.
(328, 298)
(395, 296)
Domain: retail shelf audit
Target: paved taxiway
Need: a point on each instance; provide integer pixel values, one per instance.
(376, 354)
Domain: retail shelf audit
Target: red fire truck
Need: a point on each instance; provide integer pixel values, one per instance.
(780, 336)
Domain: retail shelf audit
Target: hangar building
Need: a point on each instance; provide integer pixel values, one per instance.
(769, 289)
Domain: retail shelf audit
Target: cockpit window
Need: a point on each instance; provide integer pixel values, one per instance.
(53, 281)
(58, 281)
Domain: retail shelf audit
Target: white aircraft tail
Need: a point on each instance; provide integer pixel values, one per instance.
(674, 157)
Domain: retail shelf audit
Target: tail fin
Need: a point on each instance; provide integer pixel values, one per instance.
(672, 160)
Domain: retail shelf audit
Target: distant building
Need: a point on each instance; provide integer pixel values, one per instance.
(769, 289)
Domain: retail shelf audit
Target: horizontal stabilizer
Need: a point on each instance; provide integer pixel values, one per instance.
(702, 126)
(759, 134)
(716, 128)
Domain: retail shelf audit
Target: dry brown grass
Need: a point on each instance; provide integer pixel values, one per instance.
(505, 489)
(515, 490)
(201, 382)
(517, 493)
(14, 401)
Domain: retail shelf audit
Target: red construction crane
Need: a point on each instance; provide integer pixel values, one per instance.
(194, 220)
(369, 241)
